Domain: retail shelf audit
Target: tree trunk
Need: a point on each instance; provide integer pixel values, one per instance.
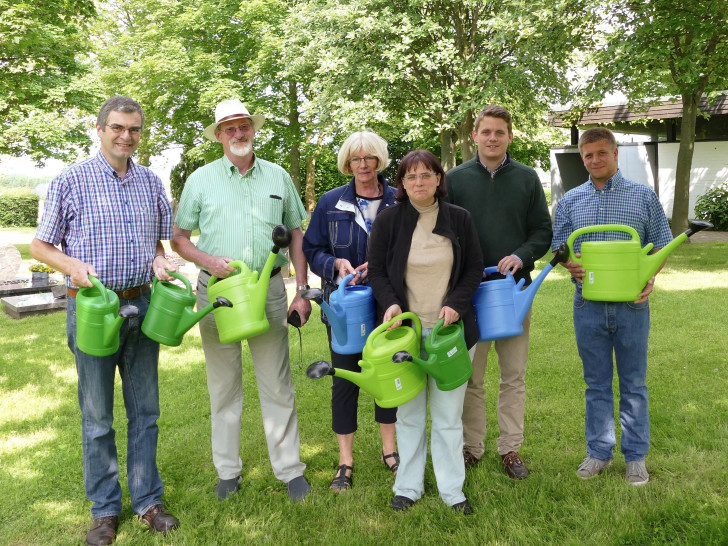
(311, 174)
(294, 128)
(447, 149)
(467, 145)
(681, 201)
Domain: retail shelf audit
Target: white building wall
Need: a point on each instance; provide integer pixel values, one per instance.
(710, 169)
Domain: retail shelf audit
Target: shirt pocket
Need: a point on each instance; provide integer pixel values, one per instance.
(341, 229)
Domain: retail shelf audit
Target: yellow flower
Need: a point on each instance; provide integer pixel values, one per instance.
(41, 268)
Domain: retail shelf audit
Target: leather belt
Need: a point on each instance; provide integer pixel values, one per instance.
(128, 294)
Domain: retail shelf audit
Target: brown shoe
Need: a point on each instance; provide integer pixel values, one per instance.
(470, 460)
(103, 531)
(159, 520)
(515, 467)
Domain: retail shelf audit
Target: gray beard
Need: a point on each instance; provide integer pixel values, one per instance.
(241, 149)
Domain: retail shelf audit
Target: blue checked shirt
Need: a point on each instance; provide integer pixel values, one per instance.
(621, 201)
(106, 221)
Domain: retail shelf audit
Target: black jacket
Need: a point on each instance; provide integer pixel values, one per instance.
(389, 246)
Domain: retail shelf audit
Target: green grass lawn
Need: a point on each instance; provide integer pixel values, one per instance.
(685, 502)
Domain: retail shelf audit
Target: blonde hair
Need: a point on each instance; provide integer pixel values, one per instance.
(371, 143)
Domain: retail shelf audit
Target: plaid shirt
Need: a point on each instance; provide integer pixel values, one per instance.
(621, 201)
(106, 221)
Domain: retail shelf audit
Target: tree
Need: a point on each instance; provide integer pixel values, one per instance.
(42, 104)
(665, 47)
(426, 66)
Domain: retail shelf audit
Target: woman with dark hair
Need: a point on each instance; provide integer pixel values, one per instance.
(335, 245)
(424, 257)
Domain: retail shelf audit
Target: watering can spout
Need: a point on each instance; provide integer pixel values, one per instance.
(428, 366)
(364, 380)
(113, 324)
(522, 299)
(189, 317)
(650, 263)
(336, 318)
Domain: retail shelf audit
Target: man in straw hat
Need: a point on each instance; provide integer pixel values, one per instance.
(235, 202)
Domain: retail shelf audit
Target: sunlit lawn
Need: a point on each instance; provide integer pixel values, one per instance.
(686, 500)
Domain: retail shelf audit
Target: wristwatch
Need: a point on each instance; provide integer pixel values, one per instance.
(302, 287)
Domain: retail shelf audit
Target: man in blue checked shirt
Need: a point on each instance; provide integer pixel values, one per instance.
(109, 216)
(603, 328)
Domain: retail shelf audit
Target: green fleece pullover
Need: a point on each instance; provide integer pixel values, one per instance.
(509, 211)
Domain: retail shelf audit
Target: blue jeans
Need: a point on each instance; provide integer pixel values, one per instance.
(136, 359)
(622, 329)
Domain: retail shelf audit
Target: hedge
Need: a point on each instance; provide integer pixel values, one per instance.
(19, 210)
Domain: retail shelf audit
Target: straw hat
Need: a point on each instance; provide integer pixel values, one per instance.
(228, 110)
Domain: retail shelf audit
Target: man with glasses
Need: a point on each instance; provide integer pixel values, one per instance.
(235, 202)
(110, 215)
(509, 208)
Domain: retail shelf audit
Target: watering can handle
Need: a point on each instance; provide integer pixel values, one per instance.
(237, 264)
(101, 287)
(182, 278)
(493, 269)
(344, 282)
(603, 227)
(404, 316)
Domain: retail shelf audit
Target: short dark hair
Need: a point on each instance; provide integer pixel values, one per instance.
(409, 162)
(119, 103)
(595, 134)
(494, 111)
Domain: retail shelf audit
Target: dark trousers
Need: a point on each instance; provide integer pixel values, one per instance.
(345, 396)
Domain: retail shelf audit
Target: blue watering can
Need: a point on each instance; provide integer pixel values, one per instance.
(350, 313)
(501, 305)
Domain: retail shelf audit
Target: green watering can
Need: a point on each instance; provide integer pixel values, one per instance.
(391, 384)
(247, 295)
(619, 270)
(448, 360)
(98, 319)
(170, 312)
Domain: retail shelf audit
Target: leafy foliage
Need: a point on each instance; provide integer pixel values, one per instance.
(19, 210)
(42, 105)
(713, 207)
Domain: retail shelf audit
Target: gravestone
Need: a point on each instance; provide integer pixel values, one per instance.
(10, 261)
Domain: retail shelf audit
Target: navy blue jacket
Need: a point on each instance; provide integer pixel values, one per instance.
(337, 230)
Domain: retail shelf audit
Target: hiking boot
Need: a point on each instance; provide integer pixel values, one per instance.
(637, 473)
(470, 460)
(591, 467)
(515, 467)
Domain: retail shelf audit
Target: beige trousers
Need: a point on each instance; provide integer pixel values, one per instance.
(275, 388)
(512, 357)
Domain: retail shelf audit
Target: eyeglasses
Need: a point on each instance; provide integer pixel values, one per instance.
(426, 177)
(233, 129)
(357, 160)
(120, 130)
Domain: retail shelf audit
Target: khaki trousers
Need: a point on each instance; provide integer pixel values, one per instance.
(275, 388)
(512, 357)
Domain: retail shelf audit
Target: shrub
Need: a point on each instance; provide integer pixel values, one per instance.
(19, 210)
(713, 207)
(548, 197)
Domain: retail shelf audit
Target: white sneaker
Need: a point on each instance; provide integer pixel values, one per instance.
(591, 467)
(637, 473)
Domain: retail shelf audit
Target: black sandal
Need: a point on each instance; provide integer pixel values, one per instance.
(394, 467)
(341, 481)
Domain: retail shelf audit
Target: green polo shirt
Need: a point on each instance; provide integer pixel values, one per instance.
(236, 214)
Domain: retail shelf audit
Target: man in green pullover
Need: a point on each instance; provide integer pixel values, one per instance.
(508, 206)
